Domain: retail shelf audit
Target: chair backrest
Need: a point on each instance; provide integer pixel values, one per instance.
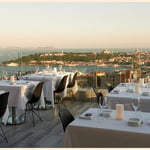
(62, 85)
(36, 93)
(109, 87)
(17, 77)
(72, 83)
(66, 117)
(3, 103)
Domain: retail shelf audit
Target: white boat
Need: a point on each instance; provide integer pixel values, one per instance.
(102, 65)
(12, 64)
(71, 64)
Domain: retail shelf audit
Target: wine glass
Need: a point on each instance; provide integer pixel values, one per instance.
(47, 67)
(36, 69)
(5, 75)
(50, 68)
(60, 68)
(135, 103)
(102, 105)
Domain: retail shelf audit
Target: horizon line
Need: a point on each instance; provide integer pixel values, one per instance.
(74, 1)
(137, 48)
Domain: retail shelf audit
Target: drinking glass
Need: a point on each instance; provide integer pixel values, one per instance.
(135, 104)
(47, 67)
(50, 68)
(5, 75)
(103, 105)
(36, 69)
(60, 68)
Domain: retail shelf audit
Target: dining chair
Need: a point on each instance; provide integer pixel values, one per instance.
(109, 87)
(66, 117)
(17, 77)
(34, 100)
(3, 106)
(72, 84)
(61, 87)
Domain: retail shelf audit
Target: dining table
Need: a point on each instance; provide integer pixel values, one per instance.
(19, 92)
(51, 81)
(125, 93)
(90, 130)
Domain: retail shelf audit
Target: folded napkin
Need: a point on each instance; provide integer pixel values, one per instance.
(12, 83)
(135, 122)
(148, 85)
(130, 90)
(115, 91)
(122, 85)
(22, 82)
(106, 113)
(146, 94)
(88, 116)
(54, 73)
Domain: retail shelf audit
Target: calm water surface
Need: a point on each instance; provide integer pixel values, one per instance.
(12, 70)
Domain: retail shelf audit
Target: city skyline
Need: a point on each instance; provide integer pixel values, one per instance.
(75, 24)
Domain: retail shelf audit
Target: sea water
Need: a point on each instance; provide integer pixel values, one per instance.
(12, 70)
(14, 54)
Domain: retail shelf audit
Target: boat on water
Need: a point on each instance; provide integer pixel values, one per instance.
(102, 65)
(71, 65)
(115, 65)
(12, 64)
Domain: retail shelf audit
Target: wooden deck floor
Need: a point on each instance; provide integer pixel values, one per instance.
(46, 134)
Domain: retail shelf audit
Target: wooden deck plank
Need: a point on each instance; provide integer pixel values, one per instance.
(46, 134)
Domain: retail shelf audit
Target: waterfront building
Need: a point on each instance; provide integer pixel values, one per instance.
(107, 51)
(113, 78)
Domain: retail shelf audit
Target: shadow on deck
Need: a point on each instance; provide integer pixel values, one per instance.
(46, 134)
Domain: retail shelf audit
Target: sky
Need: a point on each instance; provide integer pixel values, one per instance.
(75, 24)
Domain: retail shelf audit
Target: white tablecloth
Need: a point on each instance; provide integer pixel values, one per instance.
(125, 96)
(107, 133)
(17, 95)
(51, 82)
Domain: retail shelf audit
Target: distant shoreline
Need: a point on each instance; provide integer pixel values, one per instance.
(105, 59)
(14, 52)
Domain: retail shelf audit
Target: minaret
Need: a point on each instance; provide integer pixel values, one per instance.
(137, 65)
